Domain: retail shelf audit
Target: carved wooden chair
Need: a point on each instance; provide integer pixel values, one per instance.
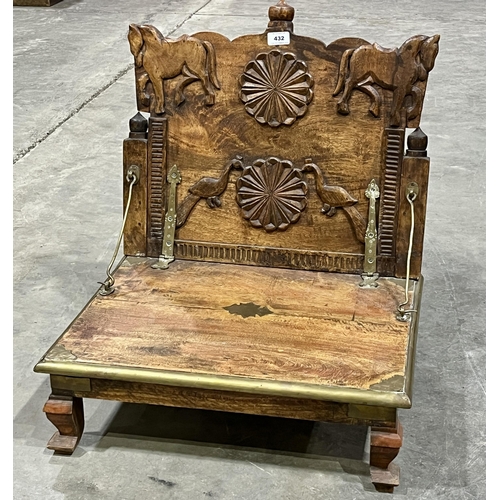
(273, 236)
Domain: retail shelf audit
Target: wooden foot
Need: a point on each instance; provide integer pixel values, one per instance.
(66, 413)
(384, 447)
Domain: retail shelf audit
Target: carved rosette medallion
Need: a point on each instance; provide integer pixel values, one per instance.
(276, 88)
(271, 194)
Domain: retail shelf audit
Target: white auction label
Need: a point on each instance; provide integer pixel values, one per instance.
(278, 38)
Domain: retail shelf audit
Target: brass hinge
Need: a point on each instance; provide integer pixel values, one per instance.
(167, 252)
(370, 276)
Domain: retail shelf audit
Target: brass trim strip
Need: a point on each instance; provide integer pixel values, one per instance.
(123, 260)
(412, 339)
(337, 394)
(70, 383)
(225, 383)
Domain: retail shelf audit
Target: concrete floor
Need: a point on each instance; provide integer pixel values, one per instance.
(73, 97)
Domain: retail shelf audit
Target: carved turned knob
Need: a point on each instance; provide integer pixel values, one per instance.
(138, 123)
(281, 12)
(417, 143)
(138, 126)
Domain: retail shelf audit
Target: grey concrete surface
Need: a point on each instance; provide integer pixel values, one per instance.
(73, 97)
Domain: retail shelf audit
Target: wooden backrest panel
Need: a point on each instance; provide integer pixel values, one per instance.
(274, 166)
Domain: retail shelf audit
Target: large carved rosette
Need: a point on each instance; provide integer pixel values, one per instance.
(271, 194)
(276, 88)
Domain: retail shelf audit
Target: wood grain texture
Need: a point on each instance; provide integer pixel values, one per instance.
(238, 402)
(398, 69)
(202, 140)
(414, 169)
(135, 152)
(281, 16)
(208, 188)
(162, 58)
(271, 194)
(384, 447)
(281, 150)
(66, 413)
(276, 88)
(180, 321)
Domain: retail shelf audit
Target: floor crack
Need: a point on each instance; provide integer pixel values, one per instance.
(21, 154)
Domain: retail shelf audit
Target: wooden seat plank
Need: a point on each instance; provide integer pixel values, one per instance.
(167, 321)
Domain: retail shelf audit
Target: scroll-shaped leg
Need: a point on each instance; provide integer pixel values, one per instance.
(66, 413)
(384, 447)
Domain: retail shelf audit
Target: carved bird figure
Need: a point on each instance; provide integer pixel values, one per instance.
(209, 188)
(334, 197)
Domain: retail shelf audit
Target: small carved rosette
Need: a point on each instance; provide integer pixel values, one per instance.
(271, 194)
(276, 88)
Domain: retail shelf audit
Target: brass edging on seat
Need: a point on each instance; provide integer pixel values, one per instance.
(373, 397)
(412, 339)
(96, 293)
(225, 383)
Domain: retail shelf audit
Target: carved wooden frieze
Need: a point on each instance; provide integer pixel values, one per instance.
(271, 194)
(268, 256)
(398, 70)
(165, 58)
(276, 88)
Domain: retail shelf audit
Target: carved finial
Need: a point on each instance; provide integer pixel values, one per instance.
(138, 126)
(281, 12)
(281, 16)
(417, 143)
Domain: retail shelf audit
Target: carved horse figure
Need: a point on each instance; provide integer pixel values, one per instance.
(164, 58)
(394, 69)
